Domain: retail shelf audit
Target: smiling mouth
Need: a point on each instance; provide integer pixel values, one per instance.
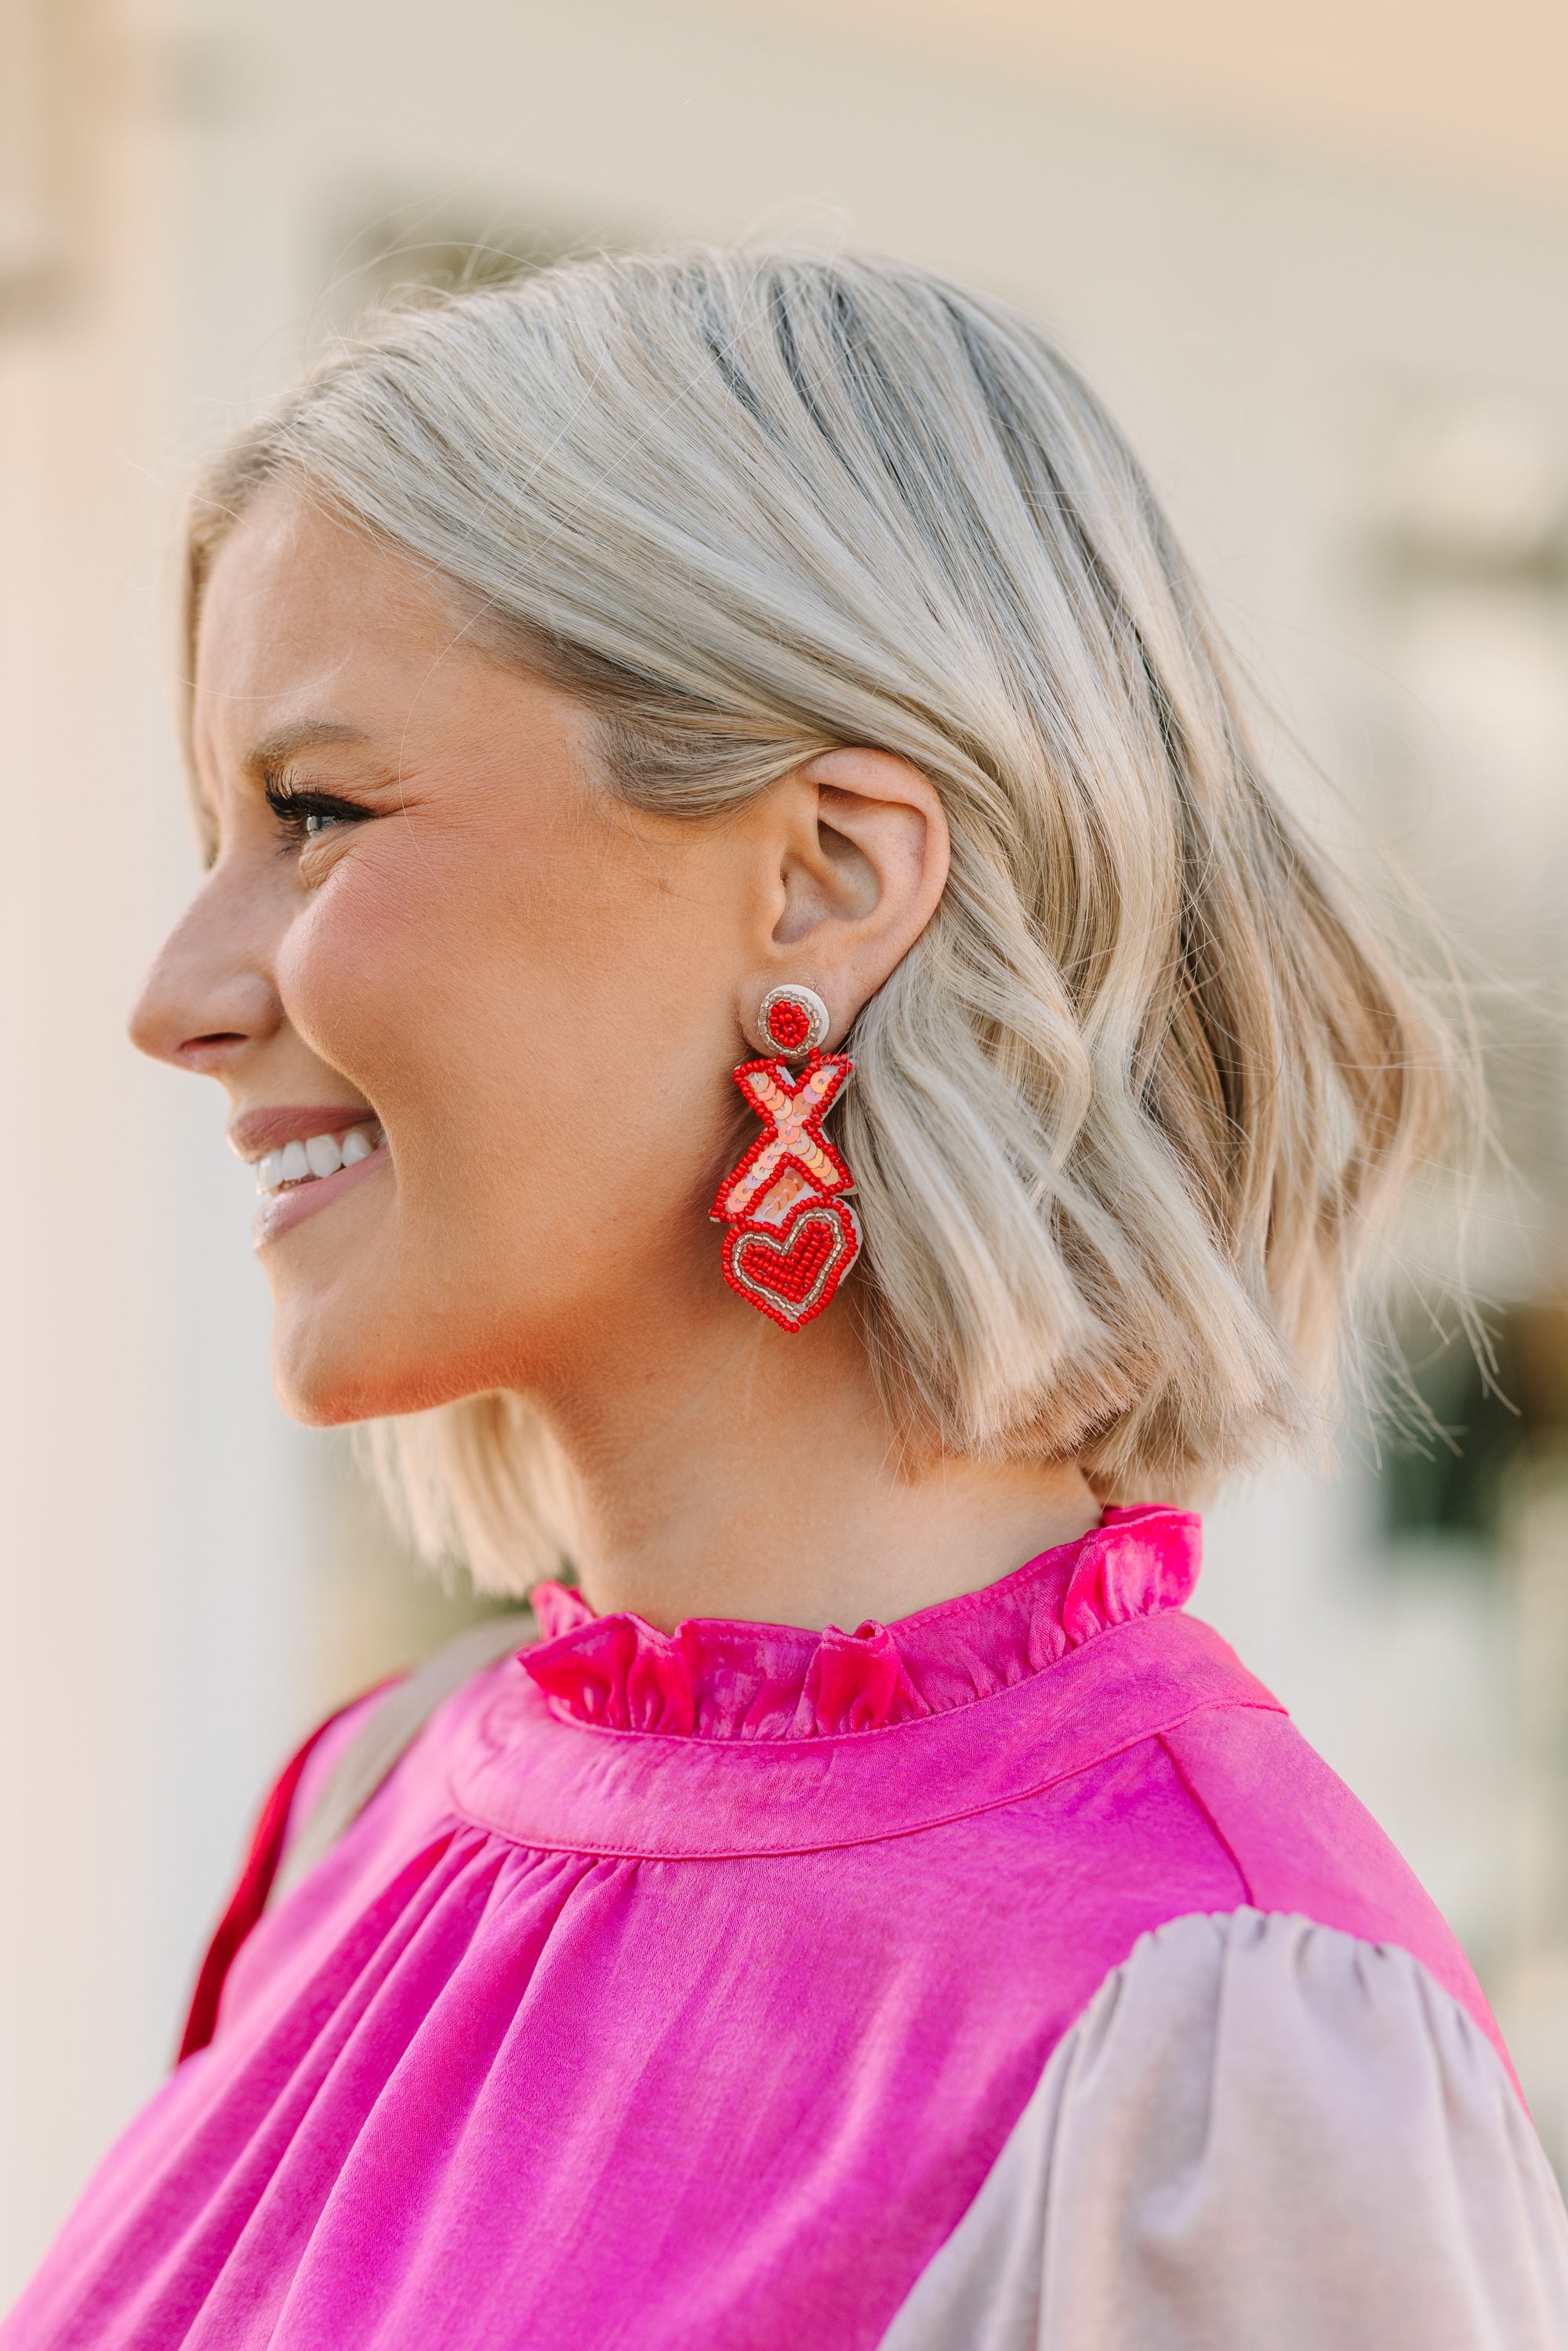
(315, 1157)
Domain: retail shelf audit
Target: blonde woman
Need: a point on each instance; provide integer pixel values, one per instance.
(865, 1909)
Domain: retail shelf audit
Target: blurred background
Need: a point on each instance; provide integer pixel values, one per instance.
(1317, 259)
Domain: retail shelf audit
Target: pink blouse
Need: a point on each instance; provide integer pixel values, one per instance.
(685, 1990)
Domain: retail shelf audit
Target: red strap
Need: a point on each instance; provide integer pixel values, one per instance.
(248, 1899)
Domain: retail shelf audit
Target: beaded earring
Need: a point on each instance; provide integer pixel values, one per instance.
(792, 1235)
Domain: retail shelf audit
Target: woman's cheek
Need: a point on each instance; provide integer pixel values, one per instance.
(360, 979)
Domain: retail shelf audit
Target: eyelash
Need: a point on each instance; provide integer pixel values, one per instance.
(295, 810)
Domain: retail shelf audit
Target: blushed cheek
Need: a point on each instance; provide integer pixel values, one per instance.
(555, 1059)
(363, 983)
(465, 1021)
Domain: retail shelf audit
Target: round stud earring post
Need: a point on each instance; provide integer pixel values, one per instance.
(792, 1020)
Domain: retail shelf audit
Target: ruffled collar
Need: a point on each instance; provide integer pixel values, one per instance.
(715, 1679)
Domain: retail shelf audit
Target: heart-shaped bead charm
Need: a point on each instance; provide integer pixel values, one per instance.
(790, 1272)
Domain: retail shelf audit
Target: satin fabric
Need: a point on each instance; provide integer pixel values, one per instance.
(1260, 2133)
(684, 1989)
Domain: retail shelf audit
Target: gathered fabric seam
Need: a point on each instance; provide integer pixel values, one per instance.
(815, 1741)
(879, 1836)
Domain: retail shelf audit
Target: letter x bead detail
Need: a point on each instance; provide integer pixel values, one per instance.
(792, 1105)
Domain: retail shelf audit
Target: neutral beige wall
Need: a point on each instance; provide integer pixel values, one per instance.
(150, 1501)
(1453, 94)
(82, 374)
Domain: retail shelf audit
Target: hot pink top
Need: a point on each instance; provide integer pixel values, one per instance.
(683, 1990)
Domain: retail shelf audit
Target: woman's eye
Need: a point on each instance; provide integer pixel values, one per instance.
(305, 816)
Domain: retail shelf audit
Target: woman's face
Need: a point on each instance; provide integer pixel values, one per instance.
(429, 925)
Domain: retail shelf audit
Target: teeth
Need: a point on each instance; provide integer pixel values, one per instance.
(321, 1154)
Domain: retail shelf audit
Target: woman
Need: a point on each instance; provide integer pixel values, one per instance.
(779, 661)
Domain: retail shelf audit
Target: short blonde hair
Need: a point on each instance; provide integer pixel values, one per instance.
(1129, 1114)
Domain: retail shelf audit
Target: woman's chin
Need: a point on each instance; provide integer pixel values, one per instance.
(329, 1404)
(328, 1369)
(323, 1383)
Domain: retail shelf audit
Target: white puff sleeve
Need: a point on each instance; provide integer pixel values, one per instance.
(1260, 2135)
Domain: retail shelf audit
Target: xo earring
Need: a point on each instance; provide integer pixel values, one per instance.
(792, 1234)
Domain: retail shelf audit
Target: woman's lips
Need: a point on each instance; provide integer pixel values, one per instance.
(279, 1210)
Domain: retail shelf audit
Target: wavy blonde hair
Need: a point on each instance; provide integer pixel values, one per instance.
(1129, 1115)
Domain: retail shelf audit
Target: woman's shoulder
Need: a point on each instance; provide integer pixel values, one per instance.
(1303, 1845)
(1181, 1785)
(1297, 2133)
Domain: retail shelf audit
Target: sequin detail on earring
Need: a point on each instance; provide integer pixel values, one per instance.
(792, 1235)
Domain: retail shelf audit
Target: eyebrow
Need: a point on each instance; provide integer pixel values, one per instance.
(286, 742)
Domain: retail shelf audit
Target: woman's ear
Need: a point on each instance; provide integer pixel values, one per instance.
(862, 848)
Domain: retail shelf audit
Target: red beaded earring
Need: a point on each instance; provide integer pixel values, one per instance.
(792, 1235)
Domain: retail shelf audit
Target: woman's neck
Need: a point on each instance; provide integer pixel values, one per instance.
(761, 1479)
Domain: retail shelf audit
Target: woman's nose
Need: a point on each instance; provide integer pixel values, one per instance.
(206, 999)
